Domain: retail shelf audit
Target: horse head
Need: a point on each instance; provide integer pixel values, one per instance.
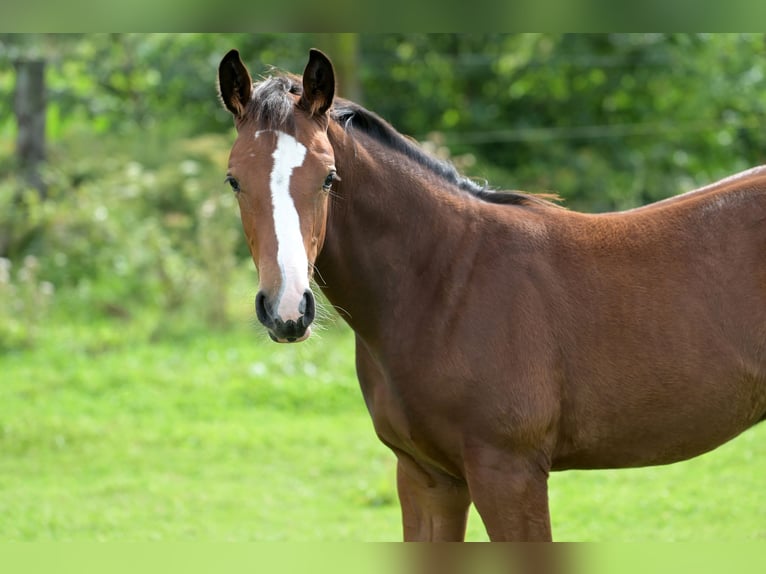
(282, 169)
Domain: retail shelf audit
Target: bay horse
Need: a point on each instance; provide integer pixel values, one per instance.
(499, 336)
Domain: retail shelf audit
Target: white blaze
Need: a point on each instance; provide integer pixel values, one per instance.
(291, 253)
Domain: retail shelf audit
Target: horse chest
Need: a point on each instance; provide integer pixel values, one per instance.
(407, 423)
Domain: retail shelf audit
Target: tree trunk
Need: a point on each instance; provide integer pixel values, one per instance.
(29, 107)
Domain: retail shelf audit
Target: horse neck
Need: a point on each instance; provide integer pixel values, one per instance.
(391, 234)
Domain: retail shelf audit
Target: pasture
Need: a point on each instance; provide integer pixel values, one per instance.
(115, 429)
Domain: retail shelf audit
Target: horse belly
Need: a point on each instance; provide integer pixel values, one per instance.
(666, 367)
(661, 425)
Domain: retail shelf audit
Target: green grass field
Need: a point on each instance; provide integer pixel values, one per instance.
(110, 434)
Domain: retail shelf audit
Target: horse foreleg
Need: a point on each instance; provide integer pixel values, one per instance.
(434, 507)
(510, 492)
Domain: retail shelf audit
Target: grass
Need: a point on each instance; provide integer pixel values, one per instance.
(108, 433)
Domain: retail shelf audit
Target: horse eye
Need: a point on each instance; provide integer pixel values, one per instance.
(233, 183)
(331, 177)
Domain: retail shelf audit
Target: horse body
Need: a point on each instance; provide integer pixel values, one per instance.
(640, 314)
(665, 340)
(499, 338)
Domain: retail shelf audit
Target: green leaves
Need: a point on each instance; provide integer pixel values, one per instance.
(598, 118)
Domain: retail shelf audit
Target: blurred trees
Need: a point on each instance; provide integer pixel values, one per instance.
(607, 120)
(137, 143)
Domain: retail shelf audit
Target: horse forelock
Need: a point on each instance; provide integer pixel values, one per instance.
(271, 106)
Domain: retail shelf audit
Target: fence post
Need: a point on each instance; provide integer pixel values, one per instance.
(29, 108)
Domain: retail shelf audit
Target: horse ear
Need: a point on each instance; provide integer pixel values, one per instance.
(235, 86)
(318, 84)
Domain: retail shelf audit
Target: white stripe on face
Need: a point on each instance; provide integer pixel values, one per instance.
(291, 253)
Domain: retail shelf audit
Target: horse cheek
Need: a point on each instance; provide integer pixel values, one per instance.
(319, 230)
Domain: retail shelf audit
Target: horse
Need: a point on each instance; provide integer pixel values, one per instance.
(499, 336)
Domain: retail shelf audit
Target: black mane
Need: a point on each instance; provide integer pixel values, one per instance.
(350, 115)
(271, 107)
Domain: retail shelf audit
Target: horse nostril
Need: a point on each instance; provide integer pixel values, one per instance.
(308, 308)
(285, 329)
(261, 311)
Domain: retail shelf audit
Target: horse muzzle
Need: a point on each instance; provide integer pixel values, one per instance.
(286, 330)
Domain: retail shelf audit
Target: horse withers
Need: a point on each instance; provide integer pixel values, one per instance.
(499, 336)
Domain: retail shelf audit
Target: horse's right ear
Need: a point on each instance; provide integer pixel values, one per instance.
(235, 86)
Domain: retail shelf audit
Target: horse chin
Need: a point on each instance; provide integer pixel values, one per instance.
(300, 339)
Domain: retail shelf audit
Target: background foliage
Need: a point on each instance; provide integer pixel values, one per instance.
(126, 337)
(137, 143)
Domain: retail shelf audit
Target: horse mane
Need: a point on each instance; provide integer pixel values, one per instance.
(351, 115)
(271, 107)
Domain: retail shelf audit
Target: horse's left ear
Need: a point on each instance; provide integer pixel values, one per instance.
(318, 84)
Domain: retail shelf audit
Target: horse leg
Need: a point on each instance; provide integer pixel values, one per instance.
(510, 492)
(434, 507)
